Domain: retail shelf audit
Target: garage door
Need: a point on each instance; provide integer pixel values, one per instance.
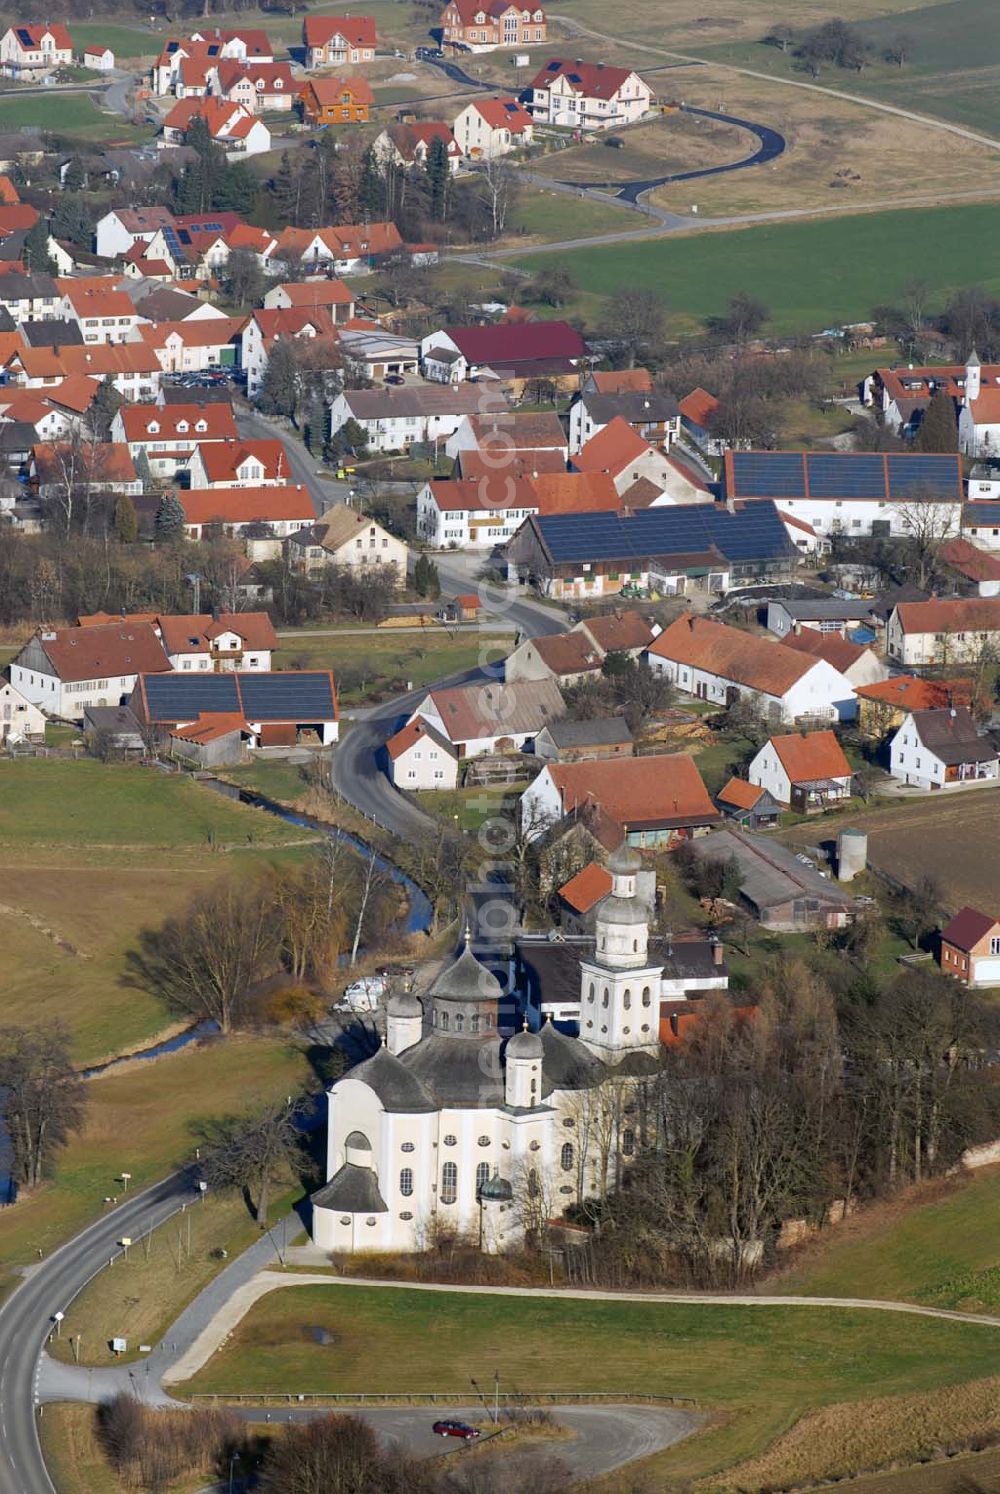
(987, 972)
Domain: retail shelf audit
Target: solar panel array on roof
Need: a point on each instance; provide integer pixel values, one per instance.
(24, 37)
(859, 477)
(174, 697)
(917, 476)
(287, 697)
(819, 474)
(769, 474)
(293, 696)
(754, 533)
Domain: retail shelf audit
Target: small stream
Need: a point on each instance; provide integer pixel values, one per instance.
(417, 920)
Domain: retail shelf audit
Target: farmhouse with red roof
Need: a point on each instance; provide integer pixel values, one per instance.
(488, 128)
(970, 948)
(805, 769)
(587, 95)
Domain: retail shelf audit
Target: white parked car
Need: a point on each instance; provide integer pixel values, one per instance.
(362, 995)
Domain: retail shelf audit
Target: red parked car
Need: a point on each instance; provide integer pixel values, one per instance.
(455, 1429)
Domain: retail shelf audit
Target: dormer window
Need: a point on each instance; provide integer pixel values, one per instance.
(153, 429)
(201, 426)
(182, 425)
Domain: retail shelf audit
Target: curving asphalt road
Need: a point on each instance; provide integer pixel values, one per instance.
(770, 146)
(26, 1321)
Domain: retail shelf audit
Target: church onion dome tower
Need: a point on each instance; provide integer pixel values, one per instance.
(404, 1022)
(619, 987)
(523, 1070)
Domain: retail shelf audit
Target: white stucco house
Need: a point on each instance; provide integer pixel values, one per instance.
(491, 717)
(393, 418)
(421, 758)
(942, 749)
(448, 1125)
(806, 770)
(20, 718)
(64, 670)
(718, 663)
(587, 95)
(943, 630)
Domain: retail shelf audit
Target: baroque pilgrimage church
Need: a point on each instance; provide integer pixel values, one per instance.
(448, 1125)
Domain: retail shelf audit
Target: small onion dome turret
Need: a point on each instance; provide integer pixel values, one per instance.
(496, 1190)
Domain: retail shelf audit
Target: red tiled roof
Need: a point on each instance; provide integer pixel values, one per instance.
(216, 419)
(740, 794)
(525, 342)
(744, 658)
(976, 564)
(103, 463)
(907, 692)
(950, 615)
(622, 381)
(116, 649)
(357, 31)
(837, 651)
(807, 756)
(9, 195)
(967, 927)
(18, 215)
(201, 332)
(594, 80)
(502, 114)
(30, 33)
(615, 631)
(413, 732)
(232, 71)
(76, 393)
(477, 463)
(209, 726)
(574, 492)
(497, 493)
(536, 430)
(497, 710)
(611, 449)
(329, 92)
(194, 633)
(698, 406)
(313, 293)
(588, 887)
(407, 137)
(638, 791)
(246, 505)
(221, 459)
(568, 653)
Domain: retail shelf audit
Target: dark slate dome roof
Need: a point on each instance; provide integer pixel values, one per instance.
(457, 1071)
(359, 1141)
(352, 1190)
(496, 1189)
(404, 1004)
(397, 1088)
(525, 1045)
(567, 1063)
(466, 980)
(628, 910)
(624, 862)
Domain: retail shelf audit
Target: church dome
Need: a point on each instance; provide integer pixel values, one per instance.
(622, 910)
(466, 980)
(496, 1190)
(525, 1045)
(624, 862)
(404, 1004)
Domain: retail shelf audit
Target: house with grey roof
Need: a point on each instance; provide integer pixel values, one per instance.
(652, 413)
(569, 741)
(783, 890)
(943, 749)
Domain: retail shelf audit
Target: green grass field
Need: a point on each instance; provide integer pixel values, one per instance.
(124, 41)
(139, 1119)
(951, 67)
(90, 855)
(67, 114)
(368, 666)
(559, 215)
(942, 1252)
(811, 275)
(763, 1366)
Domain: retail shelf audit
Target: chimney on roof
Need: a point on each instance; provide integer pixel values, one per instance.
(717, 950)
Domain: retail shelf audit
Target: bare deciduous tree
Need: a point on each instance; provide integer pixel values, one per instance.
(42, 1096)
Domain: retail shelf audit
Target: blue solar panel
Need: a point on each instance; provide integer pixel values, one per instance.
(925, 476)
(768, 474)
(305, 697)
(753, 533)
(845, 475)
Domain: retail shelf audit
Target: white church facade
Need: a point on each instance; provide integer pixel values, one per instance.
(448, 1125)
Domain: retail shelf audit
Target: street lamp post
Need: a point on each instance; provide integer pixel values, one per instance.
(234, 1459)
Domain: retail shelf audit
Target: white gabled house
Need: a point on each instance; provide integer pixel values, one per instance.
(805, 770)
(421, 758)
(20, 718)
(587, 95)
(723, 664)
(942, 749)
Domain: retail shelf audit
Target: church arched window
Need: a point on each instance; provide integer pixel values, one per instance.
(628, 1142)
(482, 1177)
(533, 1189)
(645, 996)
(406, 1181)
(449, 1182)
(459, 1022)
(635, 946)
(606, 997)
(474, 1022)
(603, 941)
(444, 1021)
(534, 1090)
(628, 1001)
(566, 1156)
(591, 992)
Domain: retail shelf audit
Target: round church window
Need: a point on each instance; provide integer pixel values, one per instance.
(626, 1030)
(345, 1218)
(565, 1188)
(484, 1141)
(406, 1214)
(370, 1221)
(407, 1146)
(535, 1146)
(450, 1140)
(645, 1026)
